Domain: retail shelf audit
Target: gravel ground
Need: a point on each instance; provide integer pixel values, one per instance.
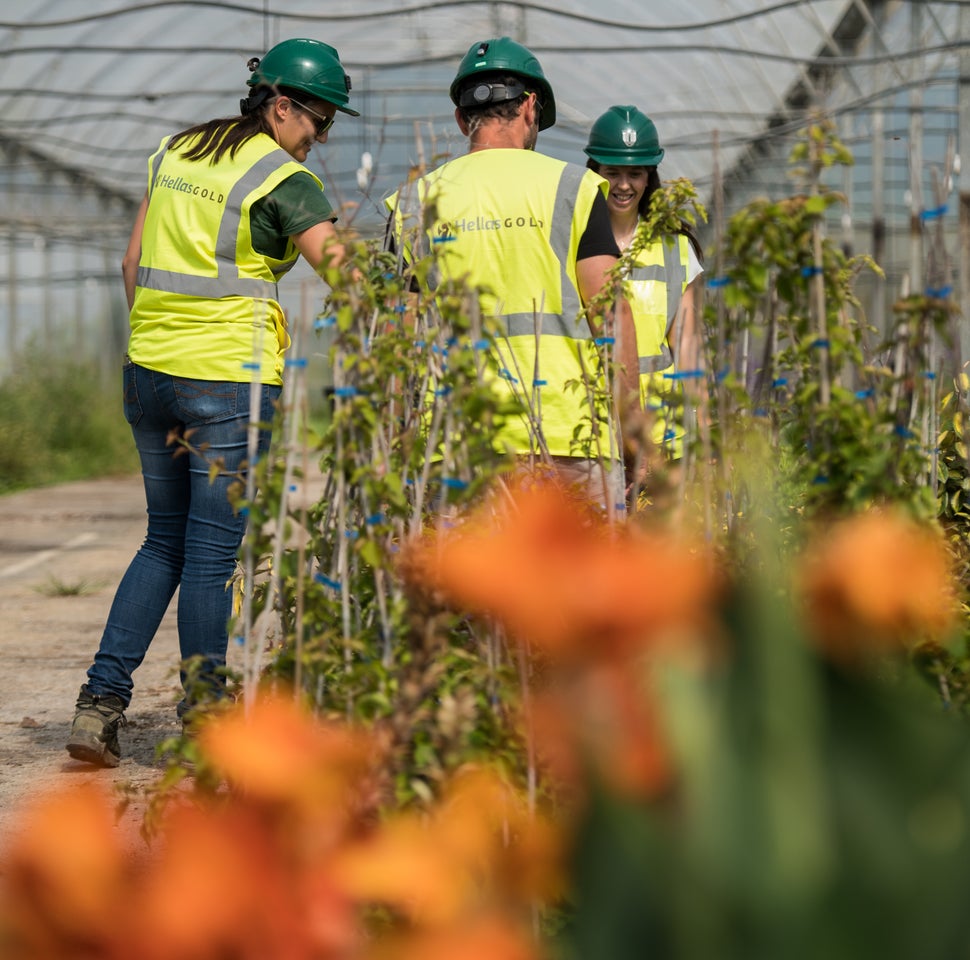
(63, 551)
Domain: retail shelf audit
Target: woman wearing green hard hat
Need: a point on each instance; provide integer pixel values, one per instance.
(229, 208)
(664, 284)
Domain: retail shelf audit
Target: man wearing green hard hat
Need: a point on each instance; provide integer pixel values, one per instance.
(533, 234)
(663, 287)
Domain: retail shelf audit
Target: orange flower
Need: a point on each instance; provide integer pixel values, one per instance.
(277, 751)
(63, 866)
(481, 846)
(225, 884)
(563, 581)
(404, 867)
(486, 939)
(604, 719)
(877, 582)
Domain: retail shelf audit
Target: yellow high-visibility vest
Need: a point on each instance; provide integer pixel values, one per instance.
(655, 288)
(206, 304)
(509, 222)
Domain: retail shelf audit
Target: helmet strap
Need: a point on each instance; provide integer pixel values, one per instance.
(254, 101)
(484, 92)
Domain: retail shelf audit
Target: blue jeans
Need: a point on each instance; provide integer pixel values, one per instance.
(194, 534)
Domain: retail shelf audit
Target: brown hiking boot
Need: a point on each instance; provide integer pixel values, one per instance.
(94, 732)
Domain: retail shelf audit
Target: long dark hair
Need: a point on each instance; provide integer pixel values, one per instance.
(643, 207)
(225, 135)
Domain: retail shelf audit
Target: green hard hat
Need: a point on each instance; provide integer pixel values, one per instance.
(624, 137)
(308, 65)
(502, 56)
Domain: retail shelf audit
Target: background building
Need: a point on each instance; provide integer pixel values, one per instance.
(87, 90)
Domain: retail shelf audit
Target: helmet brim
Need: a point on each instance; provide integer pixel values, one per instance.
(623, 158)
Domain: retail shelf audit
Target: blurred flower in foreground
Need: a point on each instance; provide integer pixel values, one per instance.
(593, 602)
(567, 583)
(874, 583)
(275, 750)
(60, 874)
(285, 861)
(481, 851)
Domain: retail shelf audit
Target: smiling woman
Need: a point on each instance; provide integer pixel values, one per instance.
(229, 210)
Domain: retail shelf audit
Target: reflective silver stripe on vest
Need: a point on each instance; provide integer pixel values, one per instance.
(567, 323)
(207, 288)
(676, 275)
(673, 273)
(660, 362)
(157, 160)
(646, 274)
(226, 283)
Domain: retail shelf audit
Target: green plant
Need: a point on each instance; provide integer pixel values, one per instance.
(58, 422)
(409, 443)
(55, 587)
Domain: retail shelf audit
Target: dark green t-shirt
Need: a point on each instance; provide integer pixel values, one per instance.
(295, 205)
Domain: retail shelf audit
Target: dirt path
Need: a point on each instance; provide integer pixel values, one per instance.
(78, 536)
(63, 551)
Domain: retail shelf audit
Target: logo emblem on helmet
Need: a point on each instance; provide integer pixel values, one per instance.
(629, 137)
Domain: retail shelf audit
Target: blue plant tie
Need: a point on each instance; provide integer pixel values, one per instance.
(505, 375)
(684, 375)
(779, 382)
(934, 214)
(864, 394)
(821, 344)
(540, 383)
(293, 488)
(326, 581)
(903, 432)
(812, 271)
(321, 322)
(820, 479)
(481, 344)
(351, 534)
(761, 412)
(718, 282)
(939, 293)
(928, 374)
(374, 518)
(295, 362)
(722, 375)
(442, 392)
(454, 483)
(239, 639)
(244, 511)
(400, 308)
(345, 391)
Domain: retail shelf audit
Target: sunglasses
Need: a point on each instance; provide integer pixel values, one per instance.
(321, 124)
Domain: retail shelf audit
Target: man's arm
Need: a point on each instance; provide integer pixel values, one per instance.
(593, 280)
